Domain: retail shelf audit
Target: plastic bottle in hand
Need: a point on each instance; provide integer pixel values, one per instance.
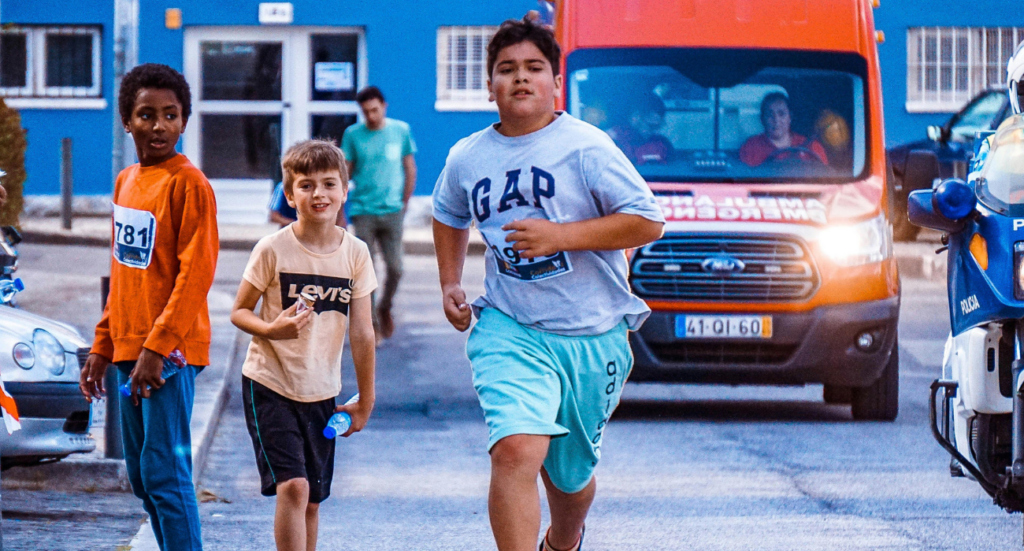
(172, 364)
(305, 302)
(9, 288)
(340, 422)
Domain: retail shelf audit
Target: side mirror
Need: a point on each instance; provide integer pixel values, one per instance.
(921, 171)
(921, 212)
(938, 134)
(954, 199)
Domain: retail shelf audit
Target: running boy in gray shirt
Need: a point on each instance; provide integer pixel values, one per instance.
(556, 202)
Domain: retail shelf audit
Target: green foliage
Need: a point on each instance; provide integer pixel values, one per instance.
(12, 161)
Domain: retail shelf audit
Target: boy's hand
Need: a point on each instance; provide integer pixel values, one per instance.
(146, 375)
(90, 382)
(287, 325)
(360, 413)
(455, 307)
(535, 237)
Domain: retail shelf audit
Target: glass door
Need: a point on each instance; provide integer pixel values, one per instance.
(257, 90)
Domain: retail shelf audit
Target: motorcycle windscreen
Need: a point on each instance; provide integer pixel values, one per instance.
(1000, 185)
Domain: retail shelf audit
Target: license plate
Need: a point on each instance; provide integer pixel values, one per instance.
(724, 327)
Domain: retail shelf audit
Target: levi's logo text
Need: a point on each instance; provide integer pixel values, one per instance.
(134, 232)
(539, 186)
(332, 293)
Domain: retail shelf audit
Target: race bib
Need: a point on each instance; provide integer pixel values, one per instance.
(534, 269)
(134, 232)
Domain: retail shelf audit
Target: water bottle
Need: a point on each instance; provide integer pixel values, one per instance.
(172, 364)
(9, 288)
(305, 302)
(340, 422)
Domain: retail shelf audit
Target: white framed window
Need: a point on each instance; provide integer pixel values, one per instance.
(50, 62)
(462, 68)
(947, 66)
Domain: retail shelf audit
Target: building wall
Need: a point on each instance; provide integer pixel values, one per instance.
(401, 39)
(90, 129)
(401, 51)
(894, 17)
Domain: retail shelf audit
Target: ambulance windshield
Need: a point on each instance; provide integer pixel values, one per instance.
(726, 115)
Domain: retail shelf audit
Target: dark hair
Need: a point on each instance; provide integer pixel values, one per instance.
(312, 156)
(369, 93)
(770, 99)
(153, 75)
(515, 31)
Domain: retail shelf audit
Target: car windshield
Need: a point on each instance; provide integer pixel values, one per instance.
(978, 116)
(1001, 183)
(684, 114)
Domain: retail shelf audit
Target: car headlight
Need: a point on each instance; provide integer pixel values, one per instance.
(857, 244)
(24, 356)
(49, 352)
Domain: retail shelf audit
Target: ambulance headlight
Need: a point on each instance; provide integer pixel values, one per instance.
(857, 244)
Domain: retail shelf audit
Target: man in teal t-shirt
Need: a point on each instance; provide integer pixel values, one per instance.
(380, 161)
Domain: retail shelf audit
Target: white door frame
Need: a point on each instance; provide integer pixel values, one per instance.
(295, 106)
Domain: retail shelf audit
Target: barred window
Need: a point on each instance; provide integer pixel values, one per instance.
(947, 66)
(50, 62)
(462, 68)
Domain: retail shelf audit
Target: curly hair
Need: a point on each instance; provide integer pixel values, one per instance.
(153, 75)
(515, 31)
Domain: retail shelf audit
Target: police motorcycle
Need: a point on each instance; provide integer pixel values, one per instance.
(977, 407)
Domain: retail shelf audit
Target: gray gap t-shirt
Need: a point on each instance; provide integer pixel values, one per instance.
(567, 171)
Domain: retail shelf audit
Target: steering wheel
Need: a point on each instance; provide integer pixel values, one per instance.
(799, 153)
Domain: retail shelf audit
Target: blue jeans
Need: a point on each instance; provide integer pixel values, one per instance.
(158, 457)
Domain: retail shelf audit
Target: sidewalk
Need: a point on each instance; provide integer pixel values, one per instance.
(93, 472)
(916, 260)
(95, 231)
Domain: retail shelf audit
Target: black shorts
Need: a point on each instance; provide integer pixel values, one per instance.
(288, 439)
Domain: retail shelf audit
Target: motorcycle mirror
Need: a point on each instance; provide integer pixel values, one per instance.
(954, 199)
(935, 133)
(921, 212)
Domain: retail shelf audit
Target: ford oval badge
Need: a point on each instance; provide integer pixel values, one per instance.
(722, 265)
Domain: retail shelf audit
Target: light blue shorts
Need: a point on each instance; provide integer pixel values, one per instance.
(532, 382)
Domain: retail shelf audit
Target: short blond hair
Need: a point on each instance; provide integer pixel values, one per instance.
(312, 156)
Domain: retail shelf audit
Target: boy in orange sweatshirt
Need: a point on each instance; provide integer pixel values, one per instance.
(156, 320)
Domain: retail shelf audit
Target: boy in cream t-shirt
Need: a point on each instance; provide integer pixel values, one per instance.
(292, 372)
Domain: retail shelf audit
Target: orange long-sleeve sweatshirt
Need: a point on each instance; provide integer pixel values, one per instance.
(164, 247)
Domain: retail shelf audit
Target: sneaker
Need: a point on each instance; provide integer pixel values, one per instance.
(579, 545)
(387, 323)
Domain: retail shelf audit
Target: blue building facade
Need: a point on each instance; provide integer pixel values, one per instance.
(265, 75)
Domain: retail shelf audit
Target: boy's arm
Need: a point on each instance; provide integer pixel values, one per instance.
(286, 326)
(537, 237)
(409, 166)
(198, 245)
(363, 342)
(450, 247)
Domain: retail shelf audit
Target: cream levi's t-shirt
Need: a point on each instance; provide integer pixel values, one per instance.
(306, 369)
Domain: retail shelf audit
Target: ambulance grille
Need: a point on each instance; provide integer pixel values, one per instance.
(764, 269)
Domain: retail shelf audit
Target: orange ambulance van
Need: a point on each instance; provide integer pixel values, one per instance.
(758, 124)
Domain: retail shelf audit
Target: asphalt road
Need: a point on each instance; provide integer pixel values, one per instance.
(684, 466)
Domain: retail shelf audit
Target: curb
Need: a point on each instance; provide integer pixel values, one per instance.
(202, 450)
(411, 247)
(70, 475)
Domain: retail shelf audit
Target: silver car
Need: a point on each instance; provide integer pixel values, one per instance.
(40, 361)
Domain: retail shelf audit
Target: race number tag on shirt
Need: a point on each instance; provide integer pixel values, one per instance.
(134, 231)
(533, 269)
